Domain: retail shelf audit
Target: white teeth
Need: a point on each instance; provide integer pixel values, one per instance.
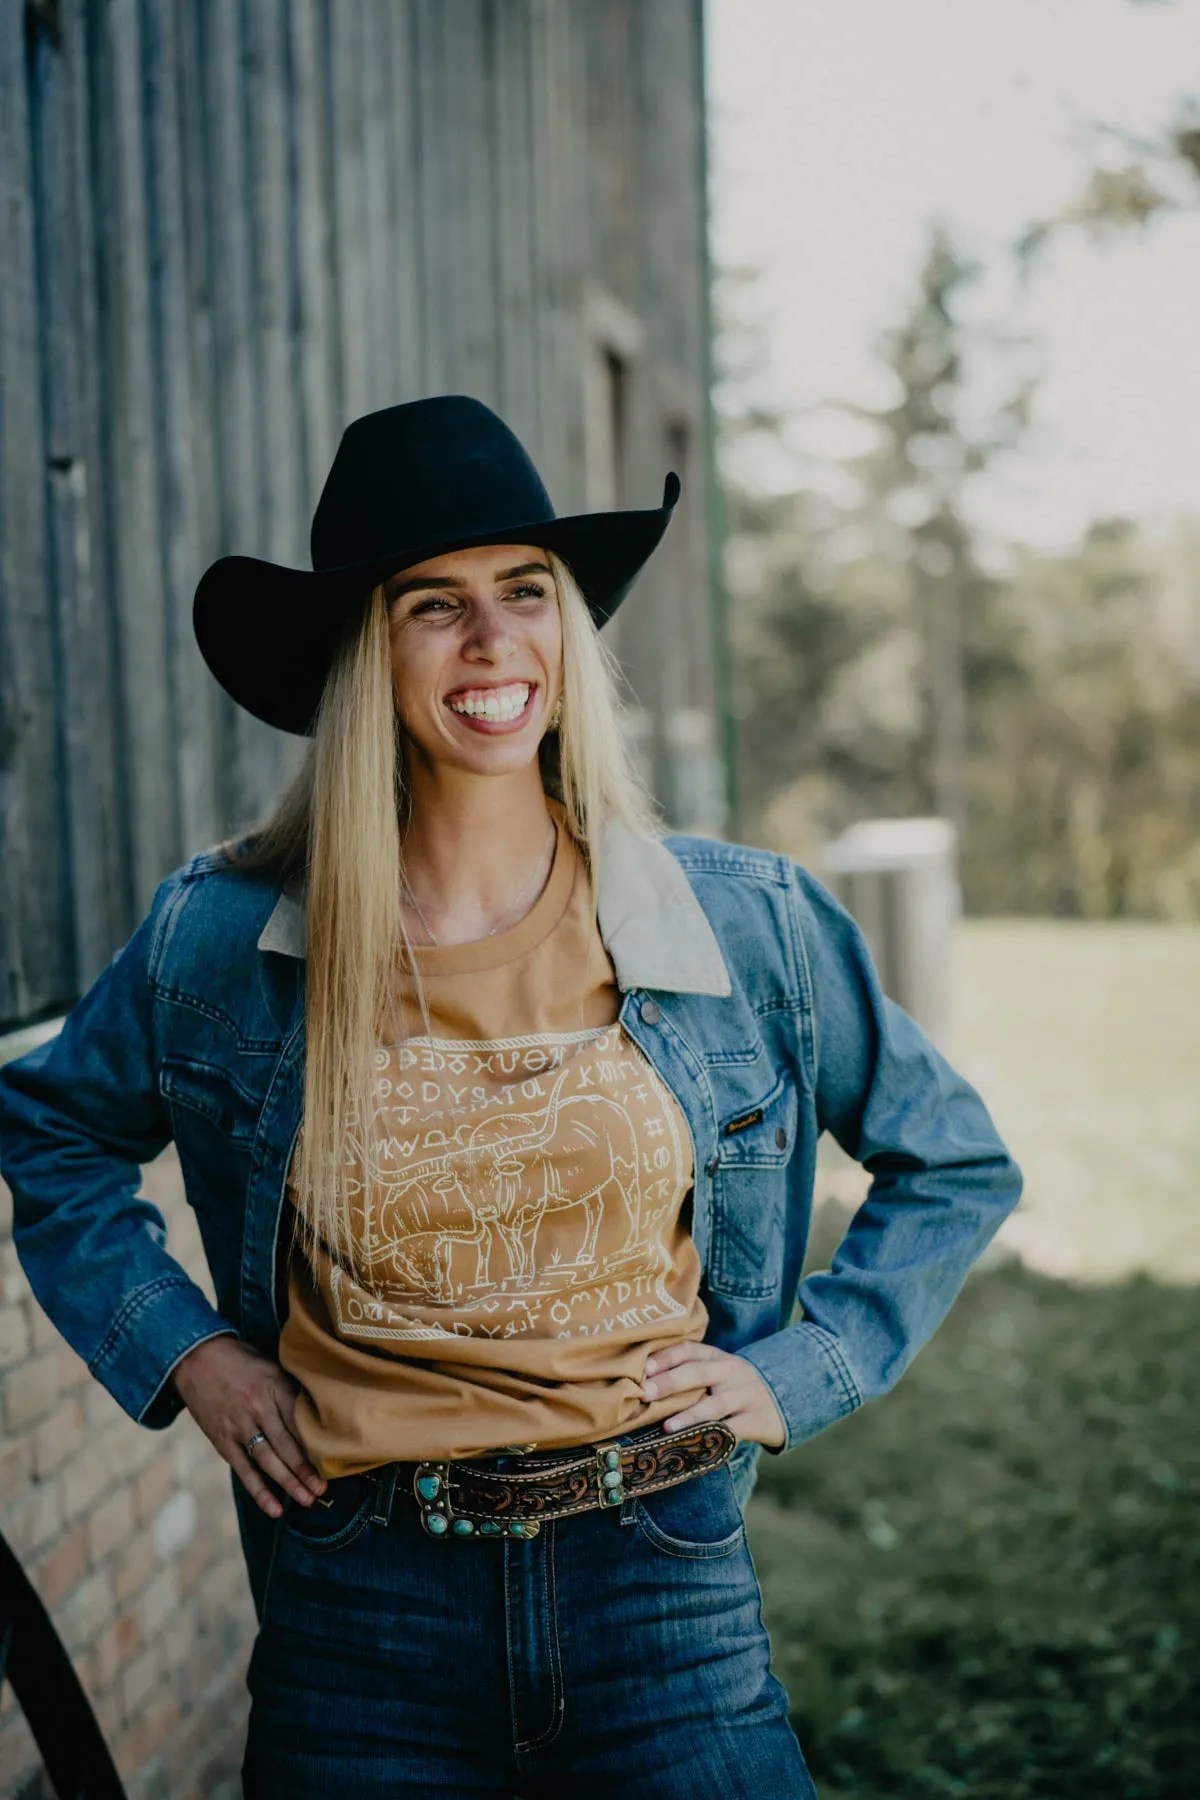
(499, 704)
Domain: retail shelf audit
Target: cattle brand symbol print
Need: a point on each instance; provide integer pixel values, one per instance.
(511, 1187)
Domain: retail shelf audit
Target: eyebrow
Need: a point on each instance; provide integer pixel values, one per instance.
(447, 581)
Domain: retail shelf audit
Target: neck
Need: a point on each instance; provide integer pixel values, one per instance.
(469, 845)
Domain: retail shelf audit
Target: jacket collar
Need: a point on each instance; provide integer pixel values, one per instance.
(652, 924)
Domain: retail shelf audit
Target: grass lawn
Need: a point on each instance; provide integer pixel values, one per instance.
(988, 1584)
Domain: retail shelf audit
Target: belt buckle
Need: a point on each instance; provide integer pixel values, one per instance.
(431, 1487)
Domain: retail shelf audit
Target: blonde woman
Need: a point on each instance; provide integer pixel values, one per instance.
(498, 1113)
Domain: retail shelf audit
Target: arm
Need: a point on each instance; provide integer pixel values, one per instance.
(942, 1182)
(78, 1117)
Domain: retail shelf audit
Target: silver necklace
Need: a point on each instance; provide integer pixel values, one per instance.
(514, 901)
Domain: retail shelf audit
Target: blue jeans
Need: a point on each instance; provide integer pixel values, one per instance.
(617, 1653)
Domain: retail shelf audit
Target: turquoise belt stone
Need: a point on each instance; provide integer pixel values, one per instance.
(473, 1498)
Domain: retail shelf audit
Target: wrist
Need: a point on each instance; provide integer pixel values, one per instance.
(193, 1361)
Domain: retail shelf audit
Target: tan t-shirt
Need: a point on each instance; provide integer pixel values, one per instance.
(519, 1247)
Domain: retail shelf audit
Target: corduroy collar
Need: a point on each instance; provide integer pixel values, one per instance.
(652, 924)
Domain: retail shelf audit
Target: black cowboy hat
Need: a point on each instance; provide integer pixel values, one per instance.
(407, 483)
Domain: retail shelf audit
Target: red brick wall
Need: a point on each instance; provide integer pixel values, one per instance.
(130, 1538)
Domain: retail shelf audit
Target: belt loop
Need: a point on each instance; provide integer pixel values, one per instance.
(385, 1489)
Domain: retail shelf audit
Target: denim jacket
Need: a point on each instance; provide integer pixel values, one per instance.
(743, 981)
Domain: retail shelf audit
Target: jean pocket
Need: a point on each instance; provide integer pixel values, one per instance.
(336, 1520)
(700, 1518)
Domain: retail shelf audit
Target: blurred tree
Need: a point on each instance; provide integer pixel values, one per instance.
(864, 625)
(1052, 710)
(1136, 179)
(1086, 798)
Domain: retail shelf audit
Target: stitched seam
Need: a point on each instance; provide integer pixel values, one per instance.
(771, 872)
(555, 1655)
(667, 1437)
(162, 931)
(174, 1065)
(276, 1539)
(829, 1344)
(142, 1297)
(508, 1645)
(556, 1706)
(734, 1059)
(807, 1006)
(689, 1552)
(499, 1477)
(173, 996)
(590, 1505)
(336, 1540)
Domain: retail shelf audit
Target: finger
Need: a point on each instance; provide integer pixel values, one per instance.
(679, 1379)
(269, 1462)
(280, 1430)
(702, 1412)
(253, 1482)
(673, 1354)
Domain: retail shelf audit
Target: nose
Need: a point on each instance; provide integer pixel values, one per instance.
(488, 635)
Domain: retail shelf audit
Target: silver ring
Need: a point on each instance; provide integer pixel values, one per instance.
(251, 1445)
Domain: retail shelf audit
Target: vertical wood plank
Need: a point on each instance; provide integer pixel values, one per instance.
(283, 534)
(88, 799)
(133, 546)
(405, 268)
(273, 267)
(251, 751)
(376, 102)
(193, 736)
(558, 210)
(468, 145)
(36, 965)
(511, 151)
(317, 352)
(200, 276)
(343, 69)
(430, 126)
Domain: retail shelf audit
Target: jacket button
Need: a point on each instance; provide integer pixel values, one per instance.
(651, 1012)
(712, 1165)
(781, 1137)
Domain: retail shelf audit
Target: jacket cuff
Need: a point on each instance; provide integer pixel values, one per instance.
(155, 1329)
(809, 1379)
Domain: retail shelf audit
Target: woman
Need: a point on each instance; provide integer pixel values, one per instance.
(528, 1273)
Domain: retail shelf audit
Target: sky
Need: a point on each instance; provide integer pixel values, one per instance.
(842, 128)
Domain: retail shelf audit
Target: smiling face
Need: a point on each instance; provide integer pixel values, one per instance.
(476, 650)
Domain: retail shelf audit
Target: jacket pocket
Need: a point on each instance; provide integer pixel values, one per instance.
(207, 1091)
(754, 1145)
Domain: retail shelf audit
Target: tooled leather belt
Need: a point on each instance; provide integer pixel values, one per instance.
(473, 1498)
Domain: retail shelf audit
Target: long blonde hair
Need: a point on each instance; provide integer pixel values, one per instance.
(340, 827)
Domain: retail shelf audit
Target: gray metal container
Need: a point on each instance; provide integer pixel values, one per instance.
(899, 879)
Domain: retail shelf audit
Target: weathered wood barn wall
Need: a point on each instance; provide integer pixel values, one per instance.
(227, 227)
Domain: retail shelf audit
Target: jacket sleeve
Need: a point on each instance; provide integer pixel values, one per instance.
(942, 1182)
(78, 1117)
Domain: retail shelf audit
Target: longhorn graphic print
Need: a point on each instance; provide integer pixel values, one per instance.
(513, 1187)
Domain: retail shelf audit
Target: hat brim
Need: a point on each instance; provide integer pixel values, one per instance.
(269, 633)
